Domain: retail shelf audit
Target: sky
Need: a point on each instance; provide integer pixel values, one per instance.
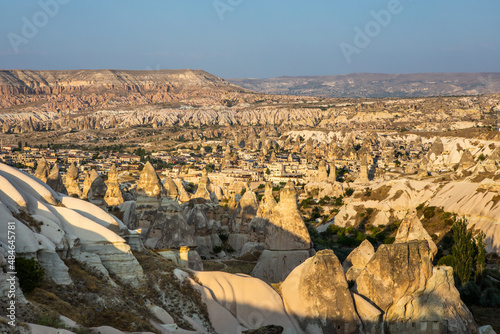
(252, 38)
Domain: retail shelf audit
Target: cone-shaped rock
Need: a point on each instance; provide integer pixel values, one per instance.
(54, 180)
(71, 181)
(411, 229)
(316, 293)
(113, 196)
(42, 169)
(97, 189)
(149, 183)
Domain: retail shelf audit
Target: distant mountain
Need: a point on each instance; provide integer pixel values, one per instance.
(374, 85)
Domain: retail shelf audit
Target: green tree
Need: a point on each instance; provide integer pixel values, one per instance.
(268, 171)
(481, 255)
(463, 250)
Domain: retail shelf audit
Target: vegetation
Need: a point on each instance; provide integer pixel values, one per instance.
(29, 273)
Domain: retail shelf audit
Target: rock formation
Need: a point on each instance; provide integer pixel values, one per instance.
(71, 181)
(42, 169)
(54, 180)
(412, 229)
(149, 184)
(316, 293)
(97, 189)
(113, 196)
(284, 235)
(400, 277)
(202, 191)
(357, 260)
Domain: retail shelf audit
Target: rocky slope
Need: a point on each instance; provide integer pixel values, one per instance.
(378, 85)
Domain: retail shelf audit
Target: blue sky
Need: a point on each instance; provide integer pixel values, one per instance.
(252, 38)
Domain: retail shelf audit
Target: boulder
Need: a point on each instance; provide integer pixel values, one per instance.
(437, 307)
(316, 293)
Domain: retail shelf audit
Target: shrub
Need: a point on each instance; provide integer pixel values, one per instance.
(429, 212)
(349, 192)
(217, 249)
(29, 273)
(490, 298)
(470, 293)
(448, 260)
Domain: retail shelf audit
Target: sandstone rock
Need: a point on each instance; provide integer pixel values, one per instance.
(357, 260)
(170, 230)
(253, 302)
(268, 203)
(412, 229)
(54, 180)
(316, 293)
(369, 314)
(284, 229)
(274, 266)
(71, 182)
(149, 183)
(113, 196)
(395, 271)
(171, 188)
(202, 191)
(42, 169)
(437, 307)
(97, 189)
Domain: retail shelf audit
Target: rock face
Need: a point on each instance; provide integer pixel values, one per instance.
(71, 182)
(113, 196)
(284, 228)
(42, 169)
(357, 260)
(283, 234)
(316, 293)
(252, 302)
(268, 203)
(54, 180)
(97, 189)
(412, 229)
(170, 229)
(202, 191)
(400, 277)
(149, 184)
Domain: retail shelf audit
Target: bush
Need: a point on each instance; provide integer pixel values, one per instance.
(29, 273)
(448, 260)
(490, 298)
(470, 293)
(349, 192)
(429, 212)
(217, 249)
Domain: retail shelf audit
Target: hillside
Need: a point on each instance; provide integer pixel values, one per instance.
(375, 85)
